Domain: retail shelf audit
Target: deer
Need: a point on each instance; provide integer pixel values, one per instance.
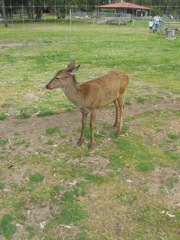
(92, 95)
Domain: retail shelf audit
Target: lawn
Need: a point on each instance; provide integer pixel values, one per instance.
(125, 188)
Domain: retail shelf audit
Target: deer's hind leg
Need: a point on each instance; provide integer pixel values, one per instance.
(120, 101)
(92, 121)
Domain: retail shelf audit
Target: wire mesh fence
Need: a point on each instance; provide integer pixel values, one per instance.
(45, 10)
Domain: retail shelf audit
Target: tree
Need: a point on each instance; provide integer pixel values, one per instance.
(4, 13)
(35, 8)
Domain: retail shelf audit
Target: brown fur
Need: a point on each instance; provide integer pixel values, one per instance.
(92, 95)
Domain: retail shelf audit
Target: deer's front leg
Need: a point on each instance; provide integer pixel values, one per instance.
(116, 123)
(92, 120)
(84, 119)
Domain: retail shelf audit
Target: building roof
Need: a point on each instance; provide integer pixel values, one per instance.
(124, 5)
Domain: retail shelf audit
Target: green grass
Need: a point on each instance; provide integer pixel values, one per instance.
(71, 213)
(23, 115)
(3, 116)
(145, 166)
(174, 136)
(105, 47)
(115, 161)
(123, 188)
(7, 229)
(44, 113)
(31, 232)
(170, 183)
(3, 142)
(51, 131)
(36, 177)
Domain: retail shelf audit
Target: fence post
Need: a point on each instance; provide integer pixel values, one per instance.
(70, 13)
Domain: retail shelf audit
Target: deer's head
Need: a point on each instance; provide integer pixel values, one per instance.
(62, 76)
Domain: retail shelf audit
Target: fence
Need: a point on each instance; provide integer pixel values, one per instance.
(32, 12)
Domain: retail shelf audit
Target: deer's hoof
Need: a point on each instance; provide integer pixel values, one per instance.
(117, 134)
(91, 145)
(80, 142)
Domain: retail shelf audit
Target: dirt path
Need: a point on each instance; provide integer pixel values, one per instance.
(32, 129)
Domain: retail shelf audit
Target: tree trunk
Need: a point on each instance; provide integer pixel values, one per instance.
(30, 11)
(4, 13)
(38, 13)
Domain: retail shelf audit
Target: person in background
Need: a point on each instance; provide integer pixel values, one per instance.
(157, 20)
(150, 25)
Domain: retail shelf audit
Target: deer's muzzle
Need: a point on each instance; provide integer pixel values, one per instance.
(48, 87)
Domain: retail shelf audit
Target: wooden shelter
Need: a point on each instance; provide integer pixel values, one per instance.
(127, 8)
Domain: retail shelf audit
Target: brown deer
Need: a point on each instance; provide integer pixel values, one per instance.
(92, 95)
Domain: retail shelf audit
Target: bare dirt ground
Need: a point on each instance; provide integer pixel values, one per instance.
(33, 131)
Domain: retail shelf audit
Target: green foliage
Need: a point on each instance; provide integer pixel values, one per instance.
(7, 229)
(44, 113)
(141, 99)
(31, 232)
(115, 161)
(1, 185)
(3, 142)
(128, 101)
(70, 196)
(131, 151)
(127, 198)
(171, 182)
(76, 191)
(3, 116)
(58, 188)
(23, 115)
(36, 177)
(71, 212)
(174, 136)
(50, 142)
(21, 142)
(145, 166)
(81, 237)
(173, 155)
(95, 178)
(51, 131)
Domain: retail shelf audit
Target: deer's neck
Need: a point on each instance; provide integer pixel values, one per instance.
(71, 90)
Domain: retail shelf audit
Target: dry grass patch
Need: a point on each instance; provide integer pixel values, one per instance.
(122, 209)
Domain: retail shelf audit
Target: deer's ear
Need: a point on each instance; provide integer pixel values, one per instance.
(73, 70)
(71, 64)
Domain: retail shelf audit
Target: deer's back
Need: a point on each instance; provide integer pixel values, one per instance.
(111, 78)
(105, 89)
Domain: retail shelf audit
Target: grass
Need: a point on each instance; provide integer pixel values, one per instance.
(7, 229)
(125, 187)
(109, 43)
(36, 177)
(71, 213)
(3, 142)
(173, 136)
(3, 116)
